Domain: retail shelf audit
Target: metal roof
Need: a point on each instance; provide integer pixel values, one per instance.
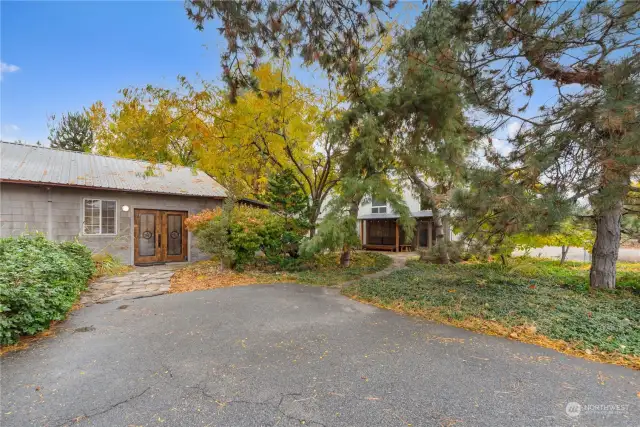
(42, 165)
(422, 214)
(417, 214)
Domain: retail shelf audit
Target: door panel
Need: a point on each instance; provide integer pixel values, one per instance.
(146, 237)
(175, 232)
(159, 236)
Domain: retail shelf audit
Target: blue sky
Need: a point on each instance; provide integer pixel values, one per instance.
(63, 56)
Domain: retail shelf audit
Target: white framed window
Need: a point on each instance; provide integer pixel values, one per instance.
(99, 216)
(378, 206)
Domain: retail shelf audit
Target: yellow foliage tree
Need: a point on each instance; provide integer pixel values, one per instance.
(280, 126)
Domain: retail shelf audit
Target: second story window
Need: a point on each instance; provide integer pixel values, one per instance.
(378, 206)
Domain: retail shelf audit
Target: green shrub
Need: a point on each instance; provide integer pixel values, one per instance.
(237, 234)
(456, 251)
(39, 282)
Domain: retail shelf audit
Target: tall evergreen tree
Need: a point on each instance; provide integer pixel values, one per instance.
(336, 34)
(73, 132)
(364, 173)
(426, 109)
(583, 141)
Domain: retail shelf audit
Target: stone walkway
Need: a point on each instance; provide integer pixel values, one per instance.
(139, 283)
(156, 280)
(399, 261)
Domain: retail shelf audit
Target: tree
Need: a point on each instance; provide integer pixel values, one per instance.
(631, 214)
(426, 110)
(571, 233)
(583, 142)
(176, 127)
(364, 172)
(283, 123)
(288, 201)
(285, 198)
(73, 132)
(278, 127)
(415, 126)
(337, 34)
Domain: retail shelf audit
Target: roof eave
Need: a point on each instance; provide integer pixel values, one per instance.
(89, 187)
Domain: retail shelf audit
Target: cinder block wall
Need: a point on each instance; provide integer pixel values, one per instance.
(25, 208)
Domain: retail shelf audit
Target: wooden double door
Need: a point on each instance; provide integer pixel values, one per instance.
(159, 236)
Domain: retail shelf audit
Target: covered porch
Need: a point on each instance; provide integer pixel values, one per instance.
(383, 232)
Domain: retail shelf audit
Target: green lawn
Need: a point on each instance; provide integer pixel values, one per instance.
(325, 269)
(539, 295)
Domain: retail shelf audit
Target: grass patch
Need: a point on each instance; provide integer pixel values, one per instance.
(325, 269)
(571, 273)
(108, 265)
(532, 300)
(321, 270)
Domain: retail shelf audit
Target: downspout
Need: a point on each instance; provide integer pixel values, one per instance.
(49, 214)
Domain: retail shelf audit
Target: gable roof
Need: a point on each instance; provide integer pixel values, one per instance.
(49, 166)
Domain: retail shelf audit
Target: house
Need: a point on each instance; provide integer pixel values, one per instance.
(379, 229)
(131, 209)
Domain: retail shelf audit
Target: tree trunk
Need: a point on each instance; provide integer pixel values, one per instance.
(563, 257)
(441, 242)
(313, 219)
(345, 257)
(605, 249)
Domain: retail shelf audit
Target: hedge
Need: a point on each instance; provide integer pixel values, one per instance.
(40, 280)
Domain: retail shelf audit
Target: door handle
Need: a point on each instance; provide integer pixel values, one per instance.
(159, 239)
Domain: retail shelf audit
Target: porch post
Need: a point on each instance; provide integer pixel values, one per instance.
(362, 231)
(397, 236)
(429, 229)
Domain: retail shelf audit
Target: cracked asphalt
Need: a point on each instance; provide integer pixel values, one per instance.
(291, 355)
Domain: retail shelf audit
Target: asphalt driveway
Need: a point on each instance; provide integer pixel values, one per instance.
(289, 355)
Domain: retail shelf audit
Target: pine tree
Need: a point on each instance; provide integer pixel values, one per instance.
(286, 199)
(73, 132)
(335, 34)
(584, 141)
(364, 173)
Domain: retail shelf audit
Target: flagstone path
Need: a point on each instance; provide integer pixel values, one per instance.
(139, 283)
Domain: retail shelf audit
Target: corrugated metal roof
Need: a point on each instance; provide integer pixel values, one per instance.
(417, 214)
(30, 163)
